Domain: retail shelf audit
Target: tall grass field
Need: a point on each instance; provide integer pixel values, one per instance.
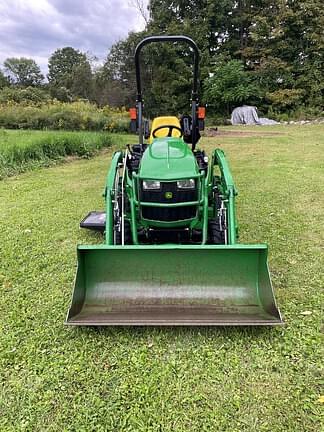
(58, 378)
(24, 150)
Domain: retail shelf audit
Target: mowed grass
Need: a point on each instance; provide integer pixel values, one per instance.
(22, 150)
(56, 378)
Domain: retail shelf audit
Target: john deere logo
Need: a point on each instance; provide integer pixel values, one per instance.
(168, 195)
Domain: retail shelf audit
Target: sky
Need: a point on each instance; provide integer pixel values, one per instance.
(36, 28)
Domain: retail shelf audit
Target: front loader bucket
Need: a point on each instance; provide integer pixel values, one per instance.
(173, 285)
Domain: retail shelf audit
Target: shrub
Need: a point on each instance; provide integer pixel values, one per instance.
(228, 86)
(56, 115)
(27, 95)
(285, 98)
(300, 113)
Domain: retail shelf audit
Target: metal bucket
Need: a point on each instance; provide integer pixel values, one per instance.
(173, 285)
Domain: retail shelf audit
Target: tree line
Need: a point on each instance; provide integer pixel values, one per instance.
(269, 53)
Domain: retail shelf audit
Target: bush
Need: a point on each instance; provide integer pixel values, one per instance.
(28, 95)
(229, 86)
(297, 114)
(217, 120)
(285, 98)
(63, 116)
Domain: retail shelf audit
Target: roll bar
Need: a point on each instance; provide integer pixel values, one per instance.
(151, 39)
(194, 95)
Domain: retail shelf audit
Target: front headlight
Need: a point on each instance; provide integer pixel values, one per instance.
(151, 185)
(186, 184)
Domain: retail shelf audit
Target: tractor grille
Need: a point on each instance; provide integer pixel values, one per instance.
(169, 214)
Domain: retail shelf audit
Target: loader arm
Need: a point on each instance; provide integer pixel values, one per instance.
(228, 190)
(109, 196)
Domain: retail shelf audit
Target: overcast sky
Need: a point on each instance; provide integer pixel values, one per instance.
(36, 28)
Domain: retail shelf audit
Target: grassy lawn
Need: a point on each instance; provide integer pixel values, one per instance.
(55, 378)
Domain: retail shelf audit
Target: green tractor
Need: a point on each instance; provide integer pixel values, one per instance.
(170, 255)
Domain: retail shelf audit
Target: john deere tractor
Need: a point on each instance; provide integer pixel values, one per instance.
(170, 254)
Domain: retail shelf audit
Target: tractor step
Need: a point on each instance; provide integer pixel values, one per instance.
(95, 220)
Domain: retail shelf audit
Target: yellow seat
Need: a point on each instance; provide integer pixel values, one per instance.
(166, 120)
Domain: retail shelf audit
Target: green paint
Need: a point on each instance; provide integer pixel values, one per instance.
(168, 159)
(163, 286)
(173, 284)
(109, 195)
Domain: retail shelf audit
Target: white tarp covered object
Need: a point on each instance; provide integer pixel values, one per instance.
(248, 115)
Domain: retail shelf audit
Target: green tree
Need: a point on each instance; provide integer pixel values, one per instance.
(108, 91)
(4, 82)
(23, 71)
(279, 43)
(82, 80)
(286, 49)
(190, 19)
(228, 86)
(61, 93)
(61, 64)
(70, 69)
(118, 71)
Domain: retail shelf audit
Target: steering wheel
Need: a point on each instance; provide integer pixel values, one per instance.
(170, 127)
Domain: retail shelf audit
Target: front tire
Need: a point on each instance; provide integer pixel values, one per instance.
(216, 236)
(127, 234)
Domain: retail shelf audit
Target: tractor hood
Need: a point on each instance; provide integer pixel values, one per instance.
(168, 159)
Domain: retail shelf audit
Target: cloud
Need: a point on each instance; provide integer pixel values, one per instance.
(36, 28)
